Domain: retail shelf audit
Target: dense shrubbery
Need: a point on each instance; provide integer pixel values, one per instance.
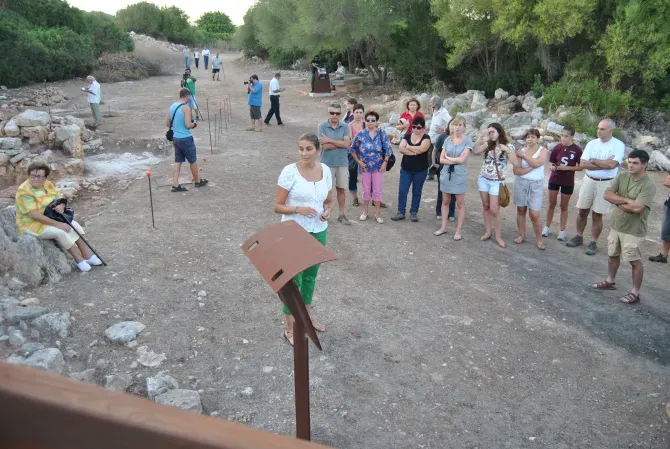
(47, 39)
(602, 101)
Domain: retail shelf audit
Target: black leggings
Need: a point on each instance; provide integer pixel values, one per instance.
(452, 203)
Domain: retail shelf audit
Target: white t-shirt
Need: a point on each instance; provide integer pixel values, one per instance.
(597, 149)
(440, 120)
(302, 193)
(205, 52)
(196, 54)
(95, 96)
(536, 174)
(274, 85)
(341, 70)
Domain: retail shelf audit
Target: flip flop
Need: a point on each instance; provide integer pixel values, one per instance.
(485, 237)
(519, 240)
(318, 326)
(439, 232)
(541, 246)
(288, 338)
(604, 285)
(457, 237)
(630, 298)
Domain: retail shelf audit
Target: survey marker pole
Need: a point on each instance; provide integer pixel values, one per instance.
(279, 252)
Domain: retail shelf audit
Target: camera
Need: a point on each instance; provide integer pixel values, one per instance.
(246, 82)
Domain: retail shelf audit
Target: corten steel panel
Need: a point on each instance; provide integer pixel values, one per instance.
(44, 411)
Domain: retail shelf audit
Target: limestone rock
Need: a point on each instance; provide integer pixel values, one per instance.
(4, 159)
(65, 132)
(35, 134)
(72, 166)
(148, 358)
(50, 360)
(478, 100)
(118, 382)
(28, 348)
(518, 133)
(659, 161)
(72, 120)
(73, 147)
(16, 339)
(30, 117)
(16, 285)
(53, 324)
(500, 94)
(188, 400)
(30, 302)
(517, 120)
(24, 314)
(160, 384)
(11, 129)
(646, 143)
(529, 102)
(472, 117)
(19, 157)
(122, 333)
(554, 128)
(84, 376)
(94, 144)
(10, 143)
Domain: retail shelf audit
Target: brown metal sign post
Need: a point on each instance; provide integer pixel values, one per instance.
(279, 252)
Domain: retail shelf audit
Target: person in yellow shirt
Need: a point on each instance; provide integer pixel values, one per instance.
(32, 198)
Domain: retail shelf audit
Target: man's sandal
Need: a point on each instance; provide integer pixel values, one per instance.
(288, 336)
(604, 285)
(630, 298)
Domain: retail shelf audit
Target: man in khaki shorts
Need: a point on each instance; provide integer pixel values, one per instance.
(335, 137)
(631, 193)
(601, 159)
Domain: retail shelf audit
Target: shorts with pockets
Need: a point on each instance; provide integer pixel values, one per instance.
(565, 190)
(184, 150)
(215, 70)
(340, 176)
(592, 195)
(492, 187)
(255, 112)
(625, 245)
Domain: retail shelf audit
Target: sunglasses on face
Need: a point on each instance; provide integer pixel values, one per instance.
(417, 127)
(335, 113)
(371, 120)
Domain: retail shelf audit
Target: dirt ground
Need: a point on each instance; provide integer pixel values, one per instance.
(430, 343)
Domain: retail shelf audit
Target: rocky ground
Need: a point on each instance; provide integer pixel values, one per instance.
(429, 342)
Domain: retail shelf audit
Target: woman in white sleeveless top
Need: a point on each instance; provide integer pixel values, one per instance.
(529, 186)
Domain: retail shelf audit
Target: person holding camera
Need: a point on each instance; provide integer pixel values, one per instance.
(179, 119)
(32, 198)
(188, 81)
(275, 92)
(255, 101)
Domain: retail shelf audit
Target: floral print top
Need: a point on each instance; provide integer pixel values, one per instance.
(489, 169)
(371, 150)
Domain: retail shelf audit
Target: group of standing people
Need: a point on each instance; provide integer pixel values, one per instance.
(205, 53)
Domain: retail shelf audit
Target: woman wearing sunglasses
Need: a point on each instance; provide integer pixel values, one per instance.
(371, 150)
(493, 142)
(413, 168)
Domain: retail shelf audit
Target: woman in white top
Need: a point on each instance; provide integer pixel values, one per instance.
(304, 194)
(529, 185)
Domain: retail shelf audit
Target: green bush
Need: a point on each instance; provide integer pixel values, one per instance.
(107, 37)
(284, 59)
(584, 121)
(588, 94)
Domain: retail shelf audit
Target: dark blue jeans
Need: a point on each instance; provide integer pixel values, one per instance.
(353, 177)
(438, 206)
(415, 179)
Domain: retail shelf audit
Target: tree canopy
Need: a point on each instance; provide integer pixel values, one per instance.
(216, 22)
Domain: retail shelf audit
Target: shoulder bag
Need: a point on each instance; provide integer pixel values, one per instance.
(169, 135)
(503, 195)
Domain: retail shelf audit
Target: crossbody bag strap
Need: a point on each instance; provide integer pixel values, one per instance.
(175, 113)
(495, 162)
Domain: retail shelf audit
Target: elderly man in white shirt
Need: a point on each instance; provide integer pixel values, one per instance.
(93, 91)
(275, 92)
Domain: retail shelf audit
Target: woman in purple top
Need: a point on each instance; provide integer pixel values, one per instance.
(371, 150)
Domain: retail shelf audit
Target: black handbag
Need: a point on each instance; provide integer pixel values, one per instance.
(66, 217)
(391, 162)
(169, 135)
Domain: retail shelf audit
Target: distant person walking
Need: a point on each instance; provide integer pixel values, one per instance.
(93, 91)
(255, 101)
(205, 57)
(601, 159)
(196, 57)
(180, 121)
(304, 195)
(216, 67)
(187, 57)
(665, 229)
(631, 192)
(275, 92)
(564, 158)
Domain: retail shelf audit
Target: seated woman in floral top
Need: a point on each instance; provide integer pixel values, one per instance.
(371, 150)
(33, 196)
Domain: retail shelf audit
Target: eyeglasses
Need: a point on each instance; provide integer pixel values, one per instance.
(335, 113)
(371, 120)
(37, 176)
(417, 127)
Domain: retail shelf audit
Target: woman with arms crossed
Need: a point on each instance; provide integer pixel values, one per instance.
(304, 195)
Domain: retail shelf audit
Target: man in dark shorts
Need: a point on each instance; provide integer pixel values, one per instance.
(564, 160)
(180, 121)
(631, 193)
(255, 101)
(665, 229)
(216, 67)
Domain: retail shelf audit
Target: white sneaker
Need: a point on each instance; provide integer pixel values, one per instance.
(546, 231)
(94, 260)
(83, 266)
(562, 236)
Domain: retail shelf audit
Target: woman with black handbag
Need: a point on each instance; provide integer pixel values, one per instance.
(32, 199)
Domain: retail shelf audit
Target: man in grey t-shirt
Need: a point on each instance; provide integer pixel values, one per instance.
(335, 137)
